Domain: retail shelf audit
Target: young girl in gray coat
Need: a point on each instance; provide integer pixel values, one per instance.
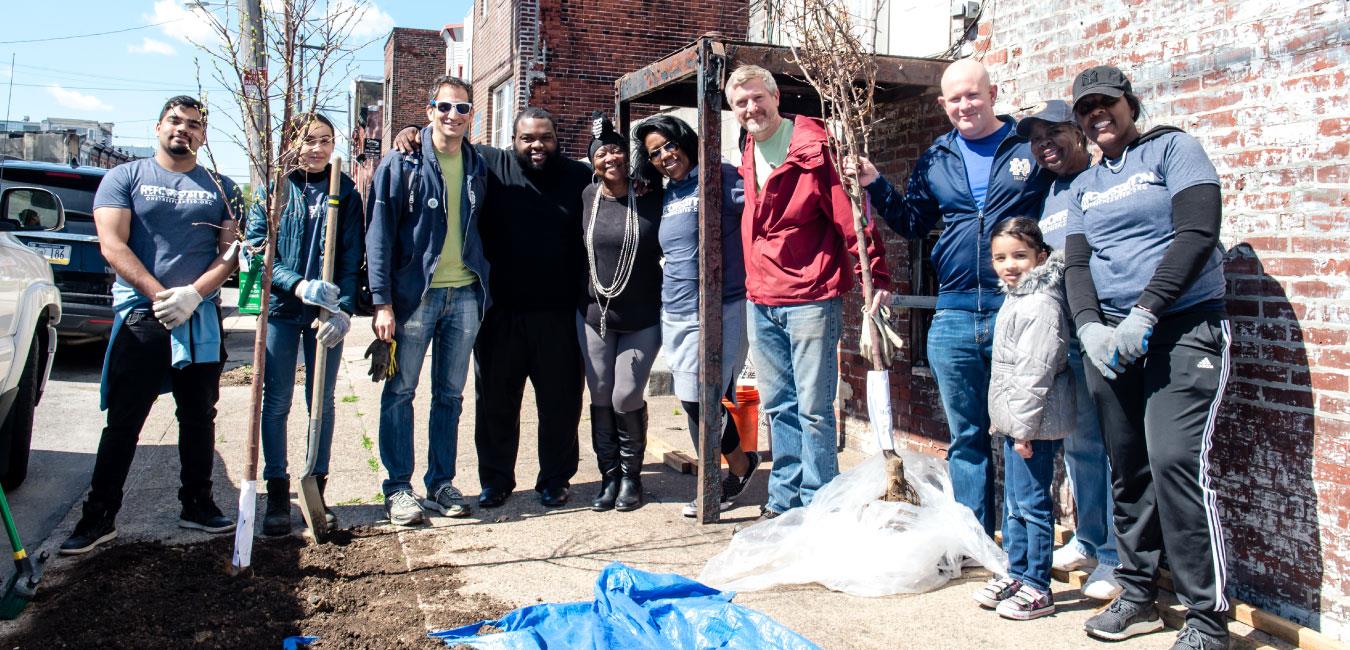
(1031, 404)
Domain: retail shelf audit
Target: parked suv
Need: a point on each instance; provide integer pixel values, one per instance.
(30, 309)
(82, 275)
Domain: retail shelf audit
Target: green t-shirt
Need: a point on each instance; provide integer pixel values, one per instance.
(771, 153)
(450, 270)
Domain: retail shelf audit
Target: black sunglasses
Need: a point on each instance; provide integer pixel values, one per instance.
(1086, 105)
(462, 108)
(669, 147)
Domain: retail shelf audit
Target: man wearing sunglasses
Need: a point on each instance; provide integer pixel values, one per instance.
(531, 227)
(429, 284)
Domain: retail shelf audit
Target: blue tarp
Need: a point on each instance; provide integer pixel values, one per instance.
(634, 609)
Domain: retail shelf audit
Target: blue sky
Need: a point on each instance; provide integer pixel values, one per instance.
(125, 77)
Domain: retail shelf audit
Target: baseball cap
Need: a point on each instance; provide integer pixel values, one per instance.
(1101, 80)
(1055, 111)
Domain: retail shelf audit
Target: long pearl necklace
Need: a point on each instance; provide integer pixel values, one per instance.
(623, 268)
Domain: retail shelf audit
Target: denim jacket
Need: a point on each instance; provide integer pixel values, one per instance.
(407, 233)
(287, 270)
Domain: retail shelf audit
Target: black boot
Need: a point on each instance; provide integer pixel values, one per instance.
(632, 449)
(328, 515)
(605, 440)
(277, 518)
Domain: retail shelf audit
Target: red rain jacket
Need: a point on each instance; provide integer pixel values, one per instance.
(798, 235)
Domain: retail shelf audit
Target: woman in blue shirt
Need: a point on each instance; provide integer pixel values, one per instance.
(671, 153)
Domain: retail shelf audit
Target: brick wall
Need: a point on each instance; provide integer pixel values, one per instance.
(493, 57)
(412, 58)
(569, 53)
(1263, 87)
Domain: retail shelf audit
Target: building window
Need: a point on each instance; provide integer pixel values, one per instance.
(503, 114)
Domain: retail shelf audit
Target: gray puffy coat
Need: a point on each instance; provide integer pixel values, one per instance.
(1031, 389)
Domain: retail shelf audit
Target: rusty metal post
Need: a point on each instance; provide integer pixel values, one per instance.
(710, 285)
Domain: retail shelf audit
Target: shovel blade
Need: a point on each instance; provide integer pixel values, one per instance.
(311, 506)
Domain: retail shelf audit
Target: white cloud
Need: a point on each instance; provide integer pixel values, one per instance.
(370, 21)
(186, 25)
(151, 46)
(76, 100)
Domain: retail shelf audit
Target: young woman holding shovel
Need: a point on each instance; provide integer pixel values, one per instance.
(299, 295)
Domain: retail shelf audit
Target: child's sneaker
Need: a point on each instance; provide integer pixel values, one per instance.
(996, 591)
(1027, 604)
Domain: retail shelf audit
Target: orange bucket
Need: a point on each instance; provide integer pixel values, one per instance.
(745, 413)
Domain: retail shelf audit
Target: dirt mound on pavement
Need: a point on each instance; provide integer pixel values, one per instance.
(356, 592)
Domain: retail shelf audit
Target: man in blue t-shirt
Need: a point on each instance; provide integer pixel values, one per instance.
(973, 177)
(166, 227)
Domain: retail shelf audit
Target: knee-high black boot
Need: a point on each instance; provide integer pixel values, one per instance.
(632, 450)
(605, 440)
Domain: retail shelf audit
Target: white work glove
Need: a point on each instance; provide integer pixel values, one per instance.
(333, 330)
(890, 341)
(175, 306)
(318, 293)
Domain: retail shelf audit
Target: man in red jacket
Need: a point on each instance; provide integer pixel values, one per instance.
(798, 234)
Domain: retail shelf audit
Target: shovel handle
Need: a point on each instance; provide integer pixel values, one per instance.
(319, 382)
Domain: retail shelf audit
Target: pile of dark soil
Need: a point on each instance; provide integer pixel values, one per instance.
(356, 592)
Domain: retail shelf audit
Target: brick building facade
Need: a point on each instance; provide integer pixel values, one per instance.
(418, 56)
(564, 55)
(1263, 87)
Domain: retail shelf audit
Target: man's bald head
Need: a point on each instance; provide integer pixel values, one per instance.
(968, 99)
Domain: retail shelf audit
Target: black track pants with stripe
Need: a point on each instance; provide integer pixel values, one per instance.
(1158, 420)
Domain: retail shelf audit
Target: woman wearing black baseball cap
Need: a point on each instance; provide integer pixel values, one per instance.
(1146, 288)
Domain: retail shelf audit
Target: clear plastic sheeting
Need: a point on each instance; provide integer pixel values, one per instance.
(633, 609)
(849, 540)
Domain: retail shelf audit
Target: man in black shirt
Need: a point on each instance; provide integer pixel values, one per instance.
(531, 230)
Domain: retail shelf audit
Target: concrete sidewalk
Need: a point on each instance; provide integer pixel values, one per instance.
(523, 553)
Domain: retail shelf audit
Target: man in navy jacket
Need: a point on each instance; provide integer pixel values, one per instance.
(971, 178)
(428, 282)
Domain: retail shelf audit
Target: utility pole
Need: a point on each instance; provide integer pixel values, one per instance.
(257, 122)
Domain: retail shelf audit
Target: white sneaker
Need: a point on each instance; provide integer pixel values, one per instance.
(1070, 557)
(1101, 583)
(691, 509)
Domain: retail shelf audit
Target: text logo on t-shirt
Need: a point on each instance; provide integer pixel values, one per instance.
(1132, 185)
(681, 206)
(1020, 168)
(1055, 221)
(178, 197)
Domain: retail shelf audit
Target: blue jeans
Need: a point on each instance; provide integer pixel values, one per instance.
(447, 320)
(1029, 530)
(960, 350)
(1089, 472)
(283, 343)
(798, 370)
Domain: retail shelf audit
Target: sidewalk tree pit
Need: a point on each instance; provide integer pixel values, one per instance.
(357, 592)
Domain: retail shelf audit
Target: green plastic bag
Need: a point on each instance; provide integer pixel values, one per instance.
(250, 293)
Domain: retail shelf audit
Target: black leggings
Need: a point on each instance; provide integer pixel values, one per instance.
(731, 437)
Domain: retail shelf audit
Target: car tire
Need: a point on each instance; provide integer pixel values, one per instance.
(16, 434)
